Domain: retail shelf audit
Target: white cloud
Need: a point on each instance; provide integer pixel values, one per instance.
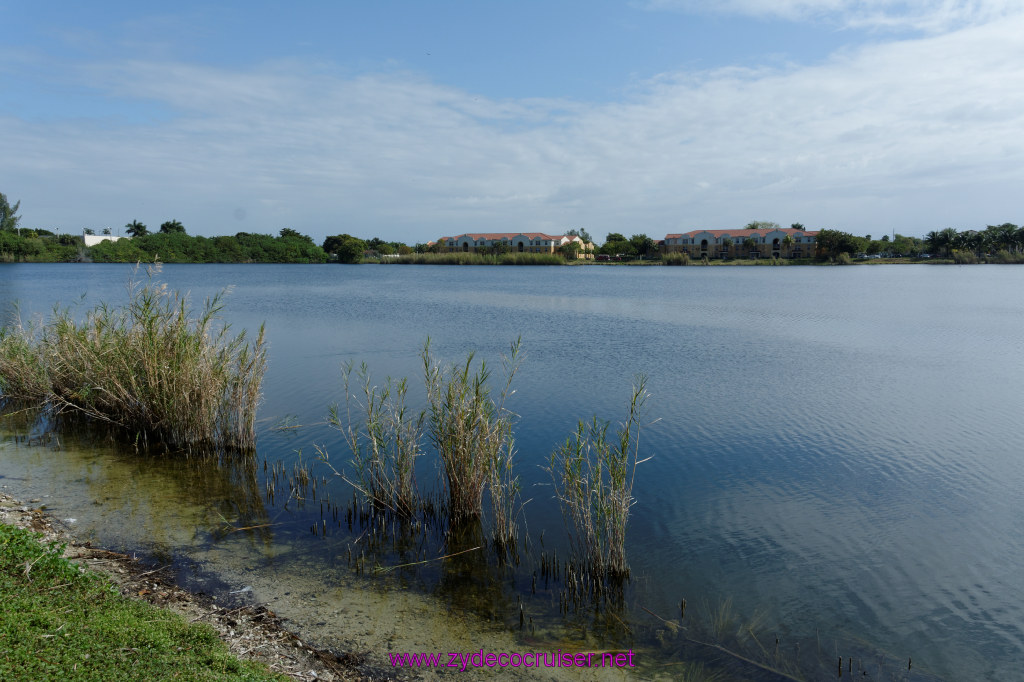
(931, 16)
(913, 135)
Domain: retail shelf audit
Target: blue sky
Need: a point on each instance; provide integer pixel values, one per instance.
(413, 120)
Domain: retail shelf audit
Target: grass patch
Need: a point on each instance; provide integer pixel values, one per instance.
(153, 368)
(61, 622)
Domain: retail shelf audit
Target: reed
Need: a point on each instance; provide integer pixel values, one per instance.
(676, 258)
(153, 368)
(385, 445)
(593, 479)
(472, 434)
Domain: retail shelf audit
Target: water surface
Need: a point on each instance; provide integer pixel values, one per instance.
(836, 451)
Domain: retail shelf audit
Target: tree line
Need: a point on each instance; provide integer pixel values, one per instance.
(170, 244)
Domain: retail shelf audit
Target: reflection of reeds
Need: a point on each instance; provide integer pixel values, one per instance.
(153, 368)
(593, 480)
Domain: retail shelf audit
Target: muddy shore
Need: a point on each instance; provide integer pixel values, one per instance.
(251, 631)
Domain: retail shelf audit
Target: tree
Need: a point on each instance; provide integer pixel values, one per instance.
(642, 244)
(347, 248)
(570, 250)
(948, 239)
(89, 231)
(106, 231)
(614, 237)
(750, 243)
(136, 229)
(761, 225)
(8, 214)
(797, 226)
(172, 227)
(582, 234)
(787, 241)
(833, 242)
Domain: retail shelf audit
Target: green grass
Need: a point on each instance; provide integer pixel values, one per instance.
(59, 622)
(153, 368)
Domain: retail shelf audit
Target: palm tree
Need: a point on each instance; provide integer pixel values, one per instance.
(727, 244)
(787, 241)
(136, 229)
(948, 239)
(750, 243)
(172, 226)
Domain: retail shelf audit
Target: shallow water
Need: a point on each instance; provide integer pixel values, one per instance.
(836, 448)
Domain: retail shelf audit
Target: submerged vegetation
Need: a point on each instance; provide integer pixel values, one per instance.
(154, 369)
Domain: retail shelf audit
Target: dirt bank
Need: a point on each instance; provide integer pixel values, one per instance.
(251, 631)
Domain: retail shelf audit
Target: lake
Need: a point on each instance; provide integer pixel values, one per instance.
(836, 457)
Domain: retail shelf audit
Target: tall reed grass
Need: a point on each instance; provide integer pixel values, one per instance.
(593, 478)
(676, 258)
(386, 443)
(153, 368)
(472, 433)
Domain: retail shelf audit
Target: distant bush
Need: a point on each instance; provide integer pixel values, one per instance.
(676, 258)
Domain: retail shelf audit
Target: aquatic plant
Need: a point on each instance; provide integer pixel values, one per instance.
(472, 434)
(153, 368)
(676, 258)
(593, 478)
(385, 444)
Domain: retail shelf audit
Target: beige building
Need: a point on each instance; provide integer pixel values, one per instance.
(514, 242)
(766, 243)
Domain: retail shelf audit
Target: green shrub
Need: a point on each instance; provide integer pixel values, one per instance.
(676, 258)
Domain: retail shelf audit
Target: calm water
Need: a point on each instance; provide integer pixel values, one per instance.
(837, 451)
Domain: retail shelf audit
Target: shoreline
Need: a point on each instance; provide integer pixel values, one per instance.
(250, 629)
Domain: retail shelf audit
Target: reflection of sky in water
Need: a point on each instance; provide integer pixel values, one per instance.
(838, 446)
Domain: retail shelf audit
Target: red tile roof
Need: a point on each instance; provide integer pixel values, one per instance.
(743, 232)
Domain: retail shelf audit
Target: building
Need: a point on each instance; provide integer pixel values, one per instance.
(94, 239)
(521, 242)
(782, 242)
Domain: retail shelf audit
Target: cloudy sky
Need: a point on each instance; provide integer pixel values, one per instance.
(409, 120)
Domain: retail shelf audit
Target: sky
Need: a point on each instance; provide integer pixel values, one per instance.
(412, 120)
